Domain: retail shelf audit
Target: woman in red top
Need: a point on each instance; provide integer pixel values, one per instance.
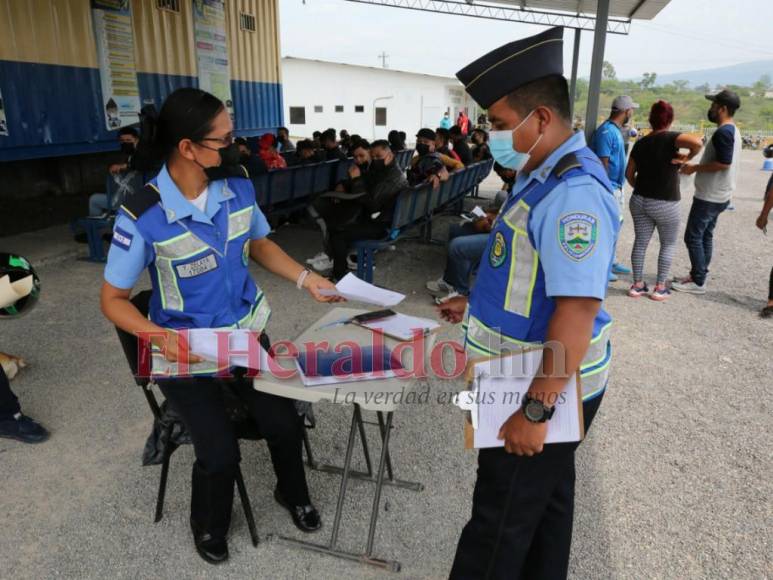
(269, 154)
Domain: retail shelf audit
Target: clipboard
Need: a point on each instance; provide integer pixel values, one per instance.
(469, 375)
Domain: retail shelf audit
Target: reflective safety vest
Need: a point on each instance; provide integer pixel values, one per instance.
(199, 272)
(508, 307)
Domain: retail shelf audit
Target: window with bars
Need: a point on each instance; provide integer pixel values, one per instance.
(247, 22)
(168, 5)
(381, 116)
(318, 109)
(339, 108)
(359, 108)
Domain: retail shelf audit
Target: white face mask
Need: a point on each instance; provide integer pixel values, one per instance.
(501, 146)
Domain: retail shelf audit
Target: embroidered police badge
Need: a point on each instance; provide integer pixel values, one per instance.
(498, 251)
(577, 233)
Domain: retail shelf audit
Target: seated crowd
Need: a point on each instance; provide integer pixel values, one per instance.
(361, 205)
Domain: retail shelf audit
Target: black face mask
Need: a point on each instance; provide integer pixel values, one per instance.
(128, 148)
(363, 167)
(377, 165)
(244, 158)
(713, 116)
(229, 164)
(422, 149)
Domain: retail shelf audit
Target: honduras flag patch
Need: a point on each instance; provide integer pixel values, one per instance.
(122, 239)
(577, 234)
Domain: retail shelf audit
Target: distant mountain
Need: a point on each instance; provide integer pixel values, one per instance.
(744, 74)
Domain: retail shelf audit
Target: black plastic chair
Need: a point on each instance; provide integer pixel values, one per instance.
(138, 356)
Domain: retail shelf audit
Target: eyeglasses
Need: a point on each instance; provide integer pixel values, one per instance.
(224, 141)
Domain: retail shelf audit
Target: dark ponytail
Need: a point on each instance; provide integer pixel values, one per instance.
(186, 114)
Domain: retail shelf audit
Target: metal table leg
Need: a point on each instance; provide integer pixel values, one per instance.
(368, 476)
(331, 548)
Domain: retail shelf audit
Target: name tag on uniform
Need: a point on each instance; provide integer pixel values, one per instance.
(197, 268)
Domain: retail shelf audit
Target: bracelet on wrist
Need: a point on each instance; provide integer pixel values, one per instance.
(301, 279)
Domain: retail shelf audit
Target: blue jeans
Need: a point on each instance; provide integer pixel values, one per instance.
(465, 248)
(699, 236)
(97, 204)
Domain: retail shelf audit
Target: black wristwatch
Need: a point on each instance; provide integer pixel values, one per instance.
(535, 411)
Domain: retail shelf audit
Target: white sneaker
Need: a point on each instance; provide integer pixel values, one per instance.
(317, 258)
(322, 264)
(688, 287)
(440, 300)
(439, 287)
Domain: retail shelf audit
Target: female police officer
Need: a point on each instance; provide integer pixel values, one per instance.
(194, 227)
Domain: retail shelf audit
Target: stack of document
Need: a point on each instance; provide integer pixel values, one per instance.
(204, 342)
(352, 288)
(348, 365)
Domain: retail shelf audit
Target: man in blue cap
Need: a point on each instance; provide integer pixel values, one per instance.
(542, 279)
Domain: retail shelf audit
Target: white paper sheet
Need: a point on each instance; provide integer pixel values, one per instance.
(339, 379)
(501, 384)
(352, 288)
(478, 212)
(10, 292)
(203, 342)
(401, 325)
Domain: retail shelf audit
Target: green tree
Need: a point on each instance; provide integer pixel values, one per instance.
(608, 71)
(705, 88)
(762, 85)
(681, 85)
(648, 80)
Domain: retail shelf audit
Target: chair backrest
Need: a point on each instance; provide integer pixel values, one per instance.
(262, 192)
(131, 344)
(321, 177)
(280, 184)
(403, 158)
(457, 182)
(303, 182)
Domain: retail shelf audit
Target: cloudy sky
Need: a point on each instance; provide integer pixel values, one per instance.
(686, 35)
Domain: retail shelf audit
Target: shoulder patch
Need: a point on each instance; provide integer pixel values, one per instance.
(137, 204)
(122, 239)
(578, 234)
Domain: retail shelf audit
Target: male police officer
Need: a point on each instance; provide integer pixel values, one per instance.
(542, 279)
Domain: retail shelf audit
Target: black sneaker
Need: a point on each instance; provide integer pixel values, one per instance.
(23, 429)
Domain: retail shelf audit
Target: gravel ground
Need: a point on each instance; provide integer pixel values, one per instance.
(674, 480)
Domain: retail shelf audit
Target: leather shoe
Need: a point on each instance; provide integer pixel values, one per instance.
(211, 549)
(305, 517)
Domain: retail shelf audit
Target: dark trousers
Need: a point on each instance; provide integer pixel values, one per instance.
(200, 403)
(341, 239)
(9, 404)
(522, 512)
(699, 236)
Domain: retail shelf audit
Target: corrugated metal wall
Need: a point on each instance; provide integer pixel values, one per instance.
(50, 81)
(254, 62)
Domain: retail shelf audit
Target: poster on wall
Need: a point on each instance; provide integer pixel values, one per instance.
(114, 37)
(209, 30)
(3, 121)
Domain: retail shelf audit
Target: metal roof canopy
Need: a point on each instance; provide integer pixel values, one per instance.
(602, 16)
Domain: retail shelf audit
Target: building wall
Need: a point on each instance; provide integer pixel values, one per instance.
(49, 76)
(416, 100)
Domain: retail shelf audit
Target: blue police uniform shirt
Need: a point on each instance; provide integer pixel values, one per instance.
(129, 254)
(577, 202)
(608, 142)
